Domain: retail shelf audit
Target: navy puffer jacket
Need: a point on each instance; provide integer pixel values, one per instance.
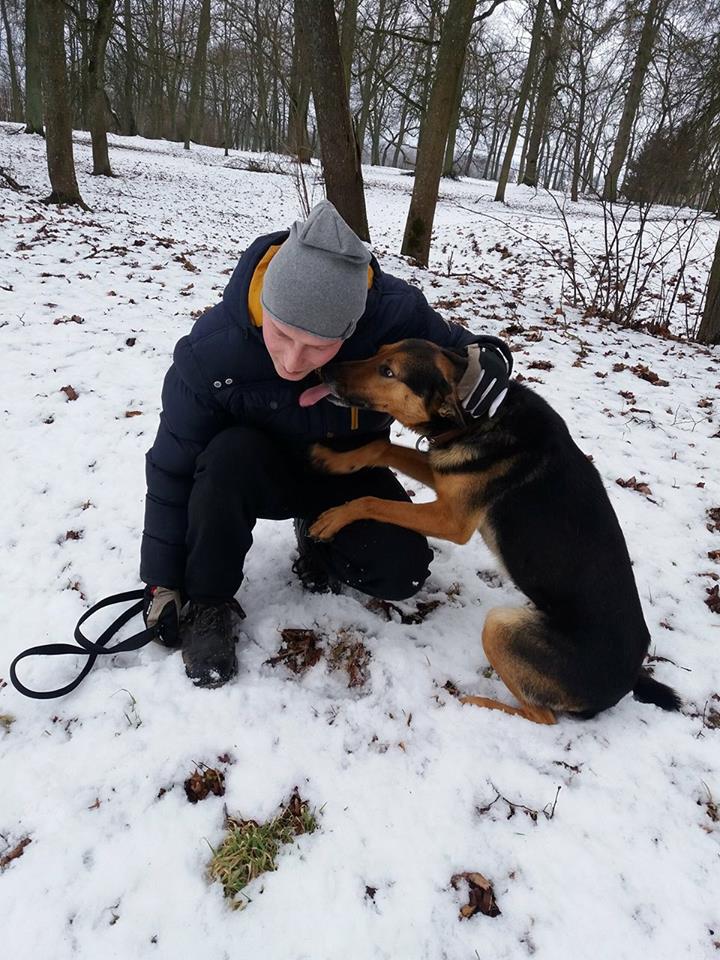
(222, 375)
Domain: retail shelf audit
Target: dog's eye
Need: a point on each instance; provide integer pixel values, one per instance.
(385, 371)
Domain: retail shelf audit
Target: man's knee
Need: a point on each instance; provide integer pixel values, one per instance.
(398, 570)
(237, 454)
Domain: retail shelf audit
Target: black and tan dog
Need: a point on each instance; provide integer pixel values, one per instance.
(540, 505)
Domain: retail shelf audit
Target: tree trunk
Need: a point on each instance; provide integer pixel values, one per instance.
(58, 120)
(33, 77)
(154, 67)
(491, 150)
(82, 77)
(375, 131)
(522, 100)
(299, 93)
(198, 69)
(551, 165)
(402, 129)
(367, 88)
(528, 129)
(348, 28)
(16, 98)
(340, 159)
(454, 123)
(560, 10)
(651, 27)
(709, 331)
(433, 137)
(579, 130)
(96, 87)
(496, 165)
(129, 125)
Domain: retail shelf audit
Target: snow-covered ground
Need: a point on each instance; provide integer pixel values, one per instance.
(628, 864)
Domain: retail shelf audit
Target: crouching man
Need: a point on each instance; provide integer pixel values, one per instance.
(239, 412)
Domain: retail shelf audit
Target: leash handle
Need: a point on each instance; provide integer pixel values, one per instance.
(93, 648)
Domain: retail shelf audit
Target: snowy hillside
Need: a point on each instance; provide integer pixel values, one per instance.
(410, 787)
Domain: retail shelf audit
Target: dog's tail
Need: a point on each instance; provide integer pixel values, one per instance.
(647, 690)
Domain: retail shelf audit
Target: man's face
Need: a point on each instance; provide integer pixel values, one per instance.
(294, 352)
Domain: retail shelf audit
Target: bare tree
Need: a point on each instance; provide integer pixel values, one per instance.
(298, 140)
(709, 331)
(651, 24)
(33, 79)
(129, 125)
(100, 33)
(340, 158)
(433, 137)
(15, 95)
(198, 71)
(58, 120)
(546, 88)
(348, 27)
(522, 99)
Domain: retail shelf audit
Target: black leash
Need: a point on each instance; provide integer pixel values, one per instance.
(92, 648)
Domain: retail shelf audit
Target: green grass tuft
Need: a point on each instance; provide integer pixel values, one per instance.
(251, 849)
(6, 721)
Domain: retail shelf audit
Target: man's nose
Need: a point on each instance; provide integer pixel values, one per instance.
(294, 358)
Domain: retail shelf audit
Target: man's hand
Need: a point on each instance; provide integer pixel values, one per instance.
(162, 609)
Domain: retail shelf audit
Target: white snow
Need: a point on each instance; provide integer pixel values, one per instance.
(627, 866)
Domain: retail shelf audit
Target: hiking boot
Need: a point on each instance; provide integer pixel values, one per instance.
(208, 641)
(308, 567)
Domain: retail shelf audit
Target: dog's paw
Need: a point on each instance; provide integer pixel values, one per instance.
(329, 523)
(331, 461)
(324, 459)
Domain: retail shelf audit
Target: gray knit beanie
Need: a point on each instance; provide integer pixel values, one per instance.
(317, 281)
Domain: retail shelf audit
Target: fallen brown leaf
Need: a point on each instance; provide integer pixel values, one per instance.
(713, 598)
(645, 373)
(481, 895)
(70, 392)
(713, 516)
(200, 784)
(540, 365)
(299, 650)
(351, 656)
(635, 484)
(17, 851)
(73, 319)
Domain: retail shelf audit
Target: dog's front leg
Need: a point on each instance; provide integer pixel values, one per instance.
(379, 453)
(436, 519)
(334, 461)
(411, 462)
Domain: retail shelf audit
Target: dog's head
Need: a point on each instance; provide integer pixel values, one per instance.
(414, 381)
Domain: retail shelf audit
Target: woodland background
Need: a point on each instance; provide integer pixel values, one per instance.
(616, 99)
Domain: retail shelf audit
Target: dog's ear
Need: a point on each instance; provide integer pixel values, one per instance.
(450, 408)
(458, 361)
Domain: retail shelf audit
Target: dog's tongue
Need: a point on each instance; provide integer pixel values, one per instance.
(309, 397)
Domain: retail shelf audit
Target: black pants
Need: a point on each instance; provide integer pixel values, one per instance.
(244, 475)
